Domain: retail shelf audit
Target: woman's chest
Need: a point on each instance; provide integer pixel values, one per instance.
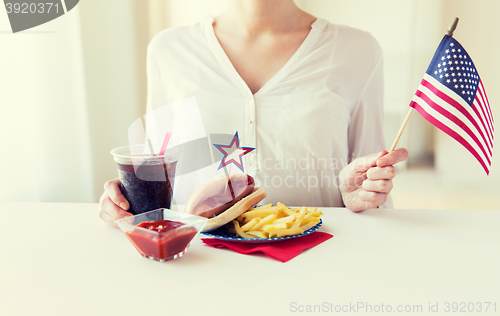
(258, 60)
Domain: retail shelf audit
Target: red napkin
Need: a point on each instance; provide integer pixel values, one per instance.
(281, 250)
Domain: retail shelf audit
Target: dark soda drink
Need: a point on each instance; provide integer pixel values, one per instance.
(147, 185)
(147, 179)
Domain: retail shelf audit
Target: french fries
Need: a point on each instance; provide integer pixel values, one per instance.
(269, 221)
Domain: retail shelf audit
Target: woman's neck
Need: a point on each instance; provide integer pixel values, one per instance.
(252, 18)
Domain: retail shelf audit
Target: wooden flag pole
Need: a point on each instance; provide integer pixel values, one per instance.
(450, 31)
(453, 27)
(401, 129)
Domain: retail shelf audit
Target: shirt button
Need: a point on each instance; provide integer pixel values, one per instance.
(250, 97)
(250, 122)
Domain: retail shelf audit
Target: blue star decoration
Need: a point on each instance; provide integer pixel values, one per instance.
(233, 153)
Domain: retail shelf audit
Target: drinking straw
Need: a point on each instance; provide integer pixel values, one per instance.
(151, 147)
(165, 143)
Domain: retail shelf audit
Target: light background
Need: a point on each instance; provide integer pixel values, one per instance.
(69, 90)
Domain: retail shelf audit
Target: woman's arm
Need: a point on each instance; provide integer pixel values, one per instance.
(367, 181)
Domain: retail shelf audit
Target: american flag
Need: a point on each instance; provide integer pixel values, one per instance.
(451, 96)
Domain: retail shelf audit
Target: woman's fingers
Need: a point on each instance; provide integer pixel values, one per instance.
(107, 218)
(367, 181)
(378, 186)
(393, 158)
(362, 164)
(352, 176)
(112, 204)
(109, 211)
(113, 191)
(373, 198)
(377, 173)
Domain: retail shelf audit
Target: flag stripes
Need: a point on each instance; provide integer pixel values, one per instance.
(443, 108)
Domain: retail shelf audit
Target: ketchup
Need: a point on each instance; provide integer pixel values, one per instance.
(163, 240)
(161, 225)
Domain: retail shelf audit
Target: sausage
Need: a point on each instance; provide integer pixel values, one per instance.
(236, 190)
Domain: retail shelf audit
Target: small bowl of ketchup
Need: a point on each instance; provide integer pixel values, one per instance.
(162, 234)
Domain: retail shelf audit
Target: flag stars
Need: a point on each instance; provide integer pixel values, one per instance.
(454, 69)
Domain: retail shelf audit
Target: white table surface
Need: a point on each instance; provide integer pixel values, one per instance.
(61, 259)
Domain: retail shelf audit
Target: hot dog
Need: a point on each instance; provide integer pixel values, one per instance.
(222, 201)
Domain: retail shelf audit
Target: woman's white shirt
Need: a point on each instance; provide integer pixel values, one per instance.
(320, 111)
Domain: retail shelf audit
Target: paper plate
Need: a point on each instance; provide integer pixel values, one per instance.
(222, 234)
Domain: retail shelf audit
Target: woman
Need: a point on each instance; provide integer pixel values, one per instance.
(307, 94)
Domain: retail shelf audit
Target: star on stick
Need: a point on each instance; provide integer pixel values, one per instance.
(233, 153)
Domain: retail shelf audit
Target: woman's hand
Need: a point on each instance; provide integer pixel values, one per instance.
(112, 204)
(366, 182)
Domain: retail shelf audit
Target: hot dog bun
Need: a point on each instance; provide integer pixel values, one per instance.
(214, 187)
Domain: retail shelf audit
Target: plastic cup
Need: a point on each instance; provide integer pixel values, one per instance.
(147, 181)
